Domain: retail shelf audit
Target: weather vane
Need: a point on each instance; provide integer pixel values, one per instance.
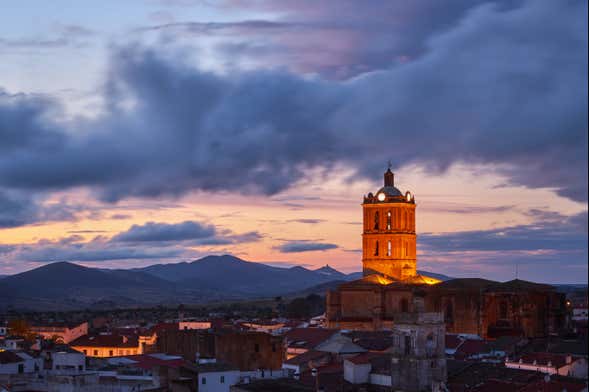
(390, 163)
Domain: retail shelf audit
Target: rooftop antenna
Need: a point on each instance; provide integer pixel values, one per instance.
(516, 269)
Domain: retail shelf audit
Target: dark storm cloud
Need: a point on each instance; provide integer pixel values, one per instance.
(20, 209)
(504, 86)
(15, 211)
(334, 38)
(304, 246)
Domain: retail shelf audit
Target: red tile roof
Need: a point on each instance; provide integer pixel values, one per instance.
(453, 341)
(306, 357)
(471, 347)
(556, 360)
(308, 338)
(494, 385)
(105, 341)
(147, 361)
(365, 358)
(9, 357)
(554, 386)
(165, 327)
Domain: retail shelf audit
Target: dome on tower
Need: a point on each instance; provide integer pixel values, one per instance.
(390, 191)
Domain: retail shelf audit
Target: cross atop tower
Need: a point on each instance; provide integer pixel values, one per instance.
(389, 177)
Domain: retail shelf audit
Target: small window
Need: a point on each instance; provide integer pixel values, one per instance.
(388, 220)
(503, 310)
(376, 248)
(389, 248)
(449, 314)
(95, 353)
(257, 347)
(404, 305)
(407, 345)
(273, 347)
(111, 353)
(85, 352)
(203, 381)
(376, 219)
(222, 380)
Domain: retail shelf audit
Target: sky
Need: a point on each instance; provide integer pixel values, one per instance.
(160, 131)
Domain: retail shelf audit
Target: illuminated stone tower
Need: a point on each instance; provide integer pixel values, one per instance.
(388, 239)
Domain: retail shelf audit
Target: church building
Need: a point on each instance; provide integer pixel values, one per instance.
(390, 283)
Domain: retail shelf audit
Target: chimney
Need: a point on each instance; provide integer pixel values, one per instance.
(389, 178)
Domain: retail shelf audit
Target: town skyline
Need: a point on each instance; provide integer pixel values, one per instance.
(171, 130)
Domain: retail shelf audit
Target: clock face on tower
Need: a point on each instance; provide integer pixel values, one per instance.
(381, 196)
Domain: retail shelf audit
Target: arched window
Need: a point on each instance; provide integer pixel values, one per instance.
(430, 344)
(404, 305)
(389, 247)
(376, 219)
(503, 310)
(405, 248)
(376, 248)
(449, 314)
(389, 220)
(407, 345)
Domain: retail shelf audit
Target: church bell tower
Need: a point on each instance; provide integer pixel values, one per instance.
(388, 239)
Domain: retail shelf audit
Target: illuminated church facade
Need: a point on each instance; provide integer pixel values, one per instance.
(391, 285)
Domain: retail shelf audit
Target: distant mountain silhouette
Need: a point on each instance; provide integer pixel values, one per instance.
(232, 274)
(63, 285)
(326, 270)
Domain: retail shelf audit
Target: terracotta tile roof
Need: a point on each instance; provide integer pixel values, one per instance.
(471, 347)
(365, 358)
(494, 385)
(105, 341)
(520, 285)
(9, 357)
(148, 361)
(453, 341)
(554, 386)
(159, 327)
(465, 283)
(308, 338)
(306, 357)
(556, 360)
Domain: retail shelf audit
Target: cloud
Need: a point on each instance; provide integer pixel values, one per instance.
(308, 221)
(308, 37)
(190, 232)
(100, 249)
(152, 240)
(566, 234)
(516, 101)
(20, 209)
(152, 231)
(304, 246)
(555, 242)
